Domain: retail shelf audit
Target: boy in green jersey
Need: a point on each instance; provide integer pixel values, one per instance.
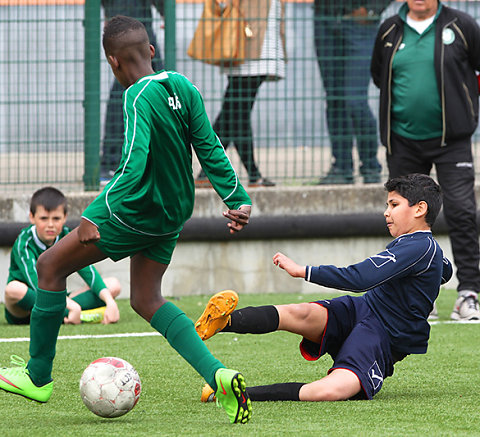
(48, 214)
(140, 214)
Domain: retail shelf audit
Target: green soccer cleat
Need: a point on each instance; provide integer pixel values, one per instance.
(232, 396)
(17, 380)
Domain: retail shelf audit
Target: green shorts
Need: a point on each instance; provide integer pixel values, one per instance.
(118, 242)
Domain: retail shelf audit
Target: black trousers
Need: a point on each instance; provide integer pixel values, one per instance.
(456, 176)
(233, 123)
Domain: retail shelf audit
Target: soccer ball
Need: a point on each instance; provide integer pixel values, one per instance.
(110, 387)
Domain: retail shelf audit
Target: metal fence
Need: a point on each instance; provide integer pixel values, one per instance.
(56, 87)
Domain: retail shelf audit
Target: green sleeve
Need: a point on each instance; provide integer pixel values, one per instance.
(23, 262)
(132, 166)
(93, 279)
(212, 157)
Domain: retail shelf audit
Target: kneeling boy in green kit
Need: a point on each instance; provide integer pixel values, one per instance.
(93, 303)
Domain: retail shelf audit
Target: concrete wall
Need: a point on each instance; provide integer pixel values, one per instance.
(219, 261)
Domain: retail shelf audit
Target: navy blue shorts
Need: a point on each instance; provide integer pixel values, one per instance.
(356, 340)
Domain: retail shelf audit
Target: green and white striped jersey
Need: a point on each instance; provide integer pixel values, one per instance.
(23, 259)
(152, 191)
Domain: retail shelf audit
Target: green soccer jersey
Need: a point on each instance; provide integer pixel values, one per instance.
(416, 105)
(23, 259)
(152, 191)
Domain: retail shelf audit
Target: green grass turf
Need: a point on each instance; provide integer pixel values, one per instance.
(435, 394)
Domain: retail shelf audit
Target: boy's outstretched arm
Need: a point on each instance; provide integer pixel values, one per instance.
(290, 266)
(239, 218)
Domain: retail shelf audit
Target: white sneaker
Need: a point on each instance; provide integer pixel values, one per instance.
(434, 314)
(466, 308)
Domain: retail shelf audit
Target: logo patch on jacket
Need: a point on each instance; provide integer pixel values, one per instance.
(380, 259)
(448, 36)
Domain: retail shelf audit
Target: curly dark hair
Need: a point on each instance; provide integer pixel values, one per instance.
(416, 187)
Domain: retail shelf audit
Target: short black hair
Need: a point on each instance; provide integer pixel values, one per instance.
(118, 26)
(48, 197)
(416, 187)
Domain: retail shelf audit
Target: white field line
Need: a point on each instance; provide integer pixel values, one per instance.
(83, 337)
(151, 334)
(453, 322)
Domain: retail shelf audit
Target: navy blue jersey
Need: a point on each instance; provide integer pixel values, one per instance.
(401, 284)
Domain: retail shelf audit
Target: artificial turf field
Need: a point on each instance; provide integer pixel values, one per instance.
(437, 394)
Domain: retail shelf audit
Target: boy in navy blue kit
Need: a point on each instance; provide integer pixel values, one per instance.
(365, 335)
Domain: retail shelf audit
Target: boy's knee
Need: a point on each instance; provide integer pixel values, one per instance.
(114, 286)
(14, 292)
(300, 311)
(46, 268)
(42, 264)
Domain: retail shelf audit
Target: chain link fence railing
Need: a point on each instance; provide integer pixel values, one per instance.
(60, 109)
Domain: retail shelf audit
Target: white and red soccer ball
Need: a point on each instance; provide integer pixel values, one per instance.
(110, 387)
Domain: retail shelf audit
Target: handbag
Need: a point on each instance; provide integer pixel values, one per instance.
(220, 35)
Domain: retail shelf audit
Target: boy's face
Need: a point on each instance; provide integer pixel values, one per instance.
(402, 218)
(49, 224)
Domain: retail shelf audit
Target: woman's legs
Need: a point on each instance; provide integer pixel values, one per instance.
(233, 123)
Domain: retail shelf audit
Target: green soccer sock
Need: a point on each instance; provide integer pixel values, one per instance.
(180, 332)
(88, 300)
(45, 322)
(27, 301)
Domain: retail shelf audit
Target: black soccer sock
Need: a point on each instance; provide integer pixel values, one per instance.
(253, 320)
(287, 391)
